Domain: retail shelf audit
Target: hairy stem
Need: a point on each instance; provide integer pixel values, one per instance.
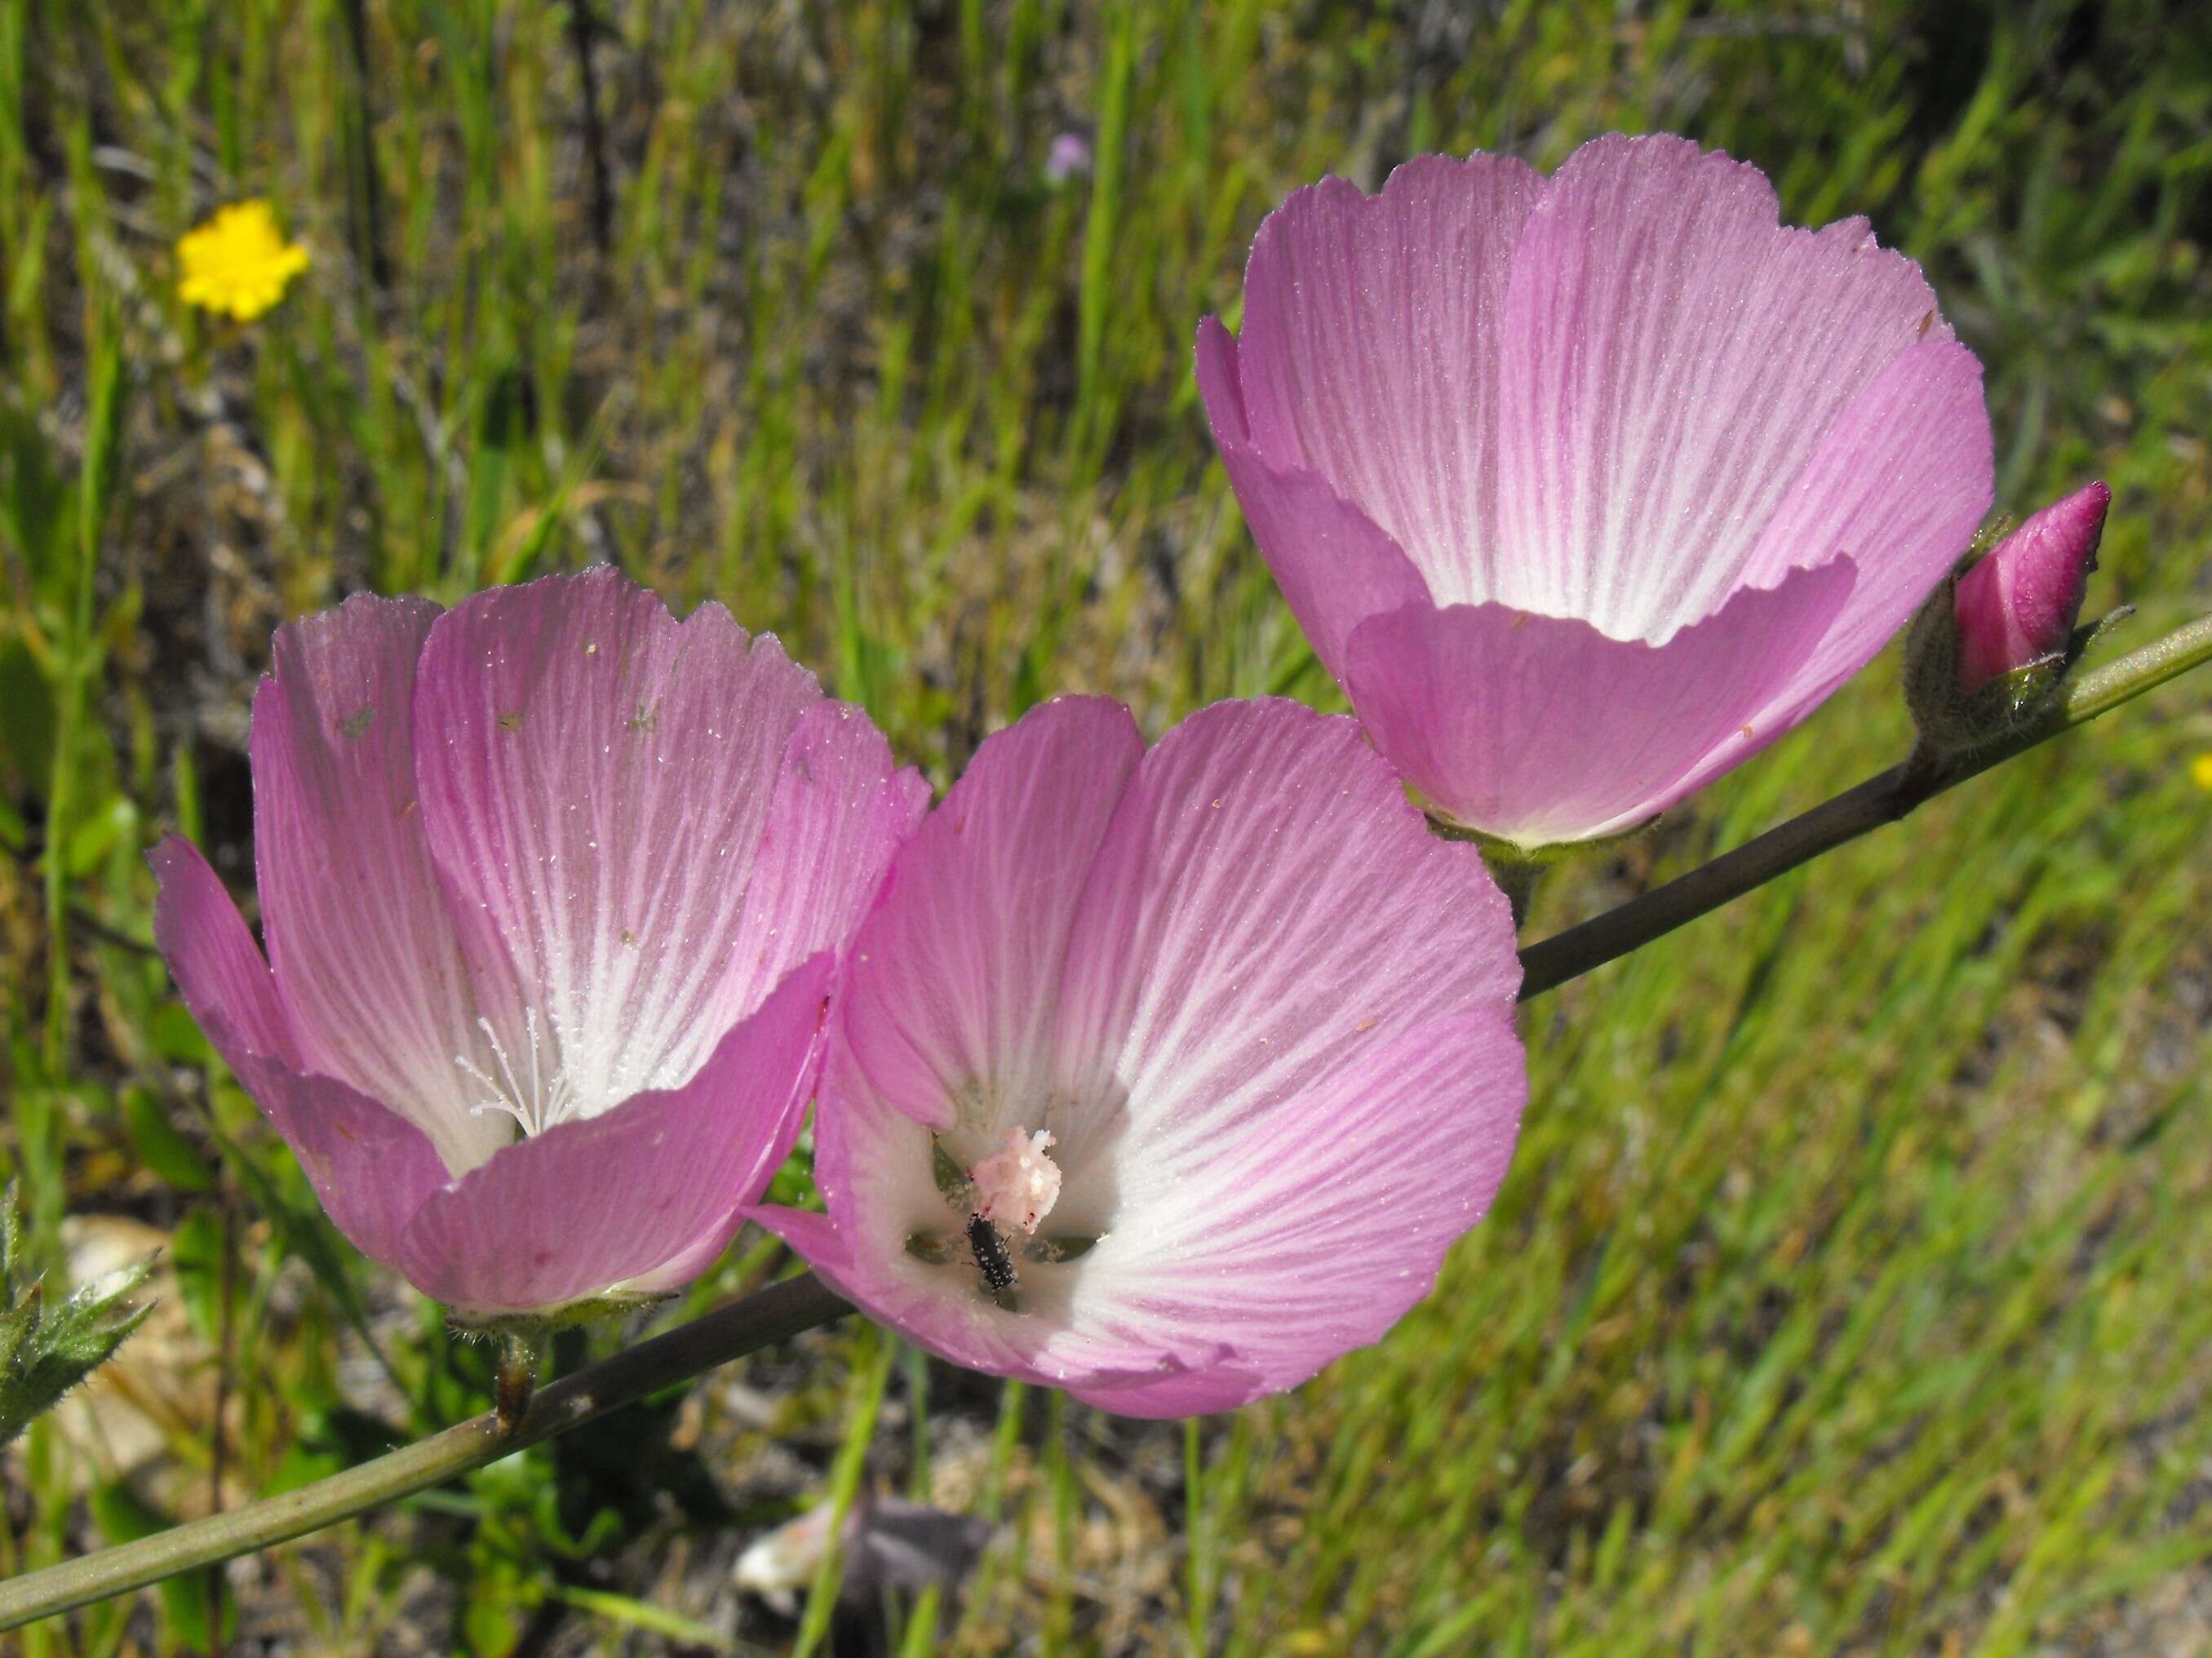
(802, 1302)
(1881, 800)
(521, 1356)
(727, 1332)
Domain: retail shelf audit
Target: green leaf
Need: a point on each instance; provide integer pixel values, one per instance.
(17, 1323)
(303, 1465)
(177, 1038)
(641, 1615)
(196, 1248)
(43, 1352)
(27, 719)
(159, 1146)
(92, 839)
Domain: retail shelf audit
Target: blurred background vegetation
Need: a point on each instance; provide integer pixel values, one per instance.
(1847, 1294)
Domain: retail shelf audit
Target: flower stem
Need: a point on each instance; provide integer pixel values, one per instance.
(727, 1332)
(1881, 800)
(521, 1356)
(1517, 878)
(801, 1303)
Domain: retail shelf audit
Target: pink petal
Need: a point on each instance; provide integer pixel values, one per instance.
(1232, 948)
(2019, 606)
(612, 1201)
(371, 1169)
(596, 777)
(1295, 981)
(816, 1236)
(359, 934)
(218, 968)
(1540, 729)
(977, 910)
(1672, 359)
(1369, 348)
(841, 808)
(1295, 1234)
(1897, 484)
(1334, 567)
(1222, 1385)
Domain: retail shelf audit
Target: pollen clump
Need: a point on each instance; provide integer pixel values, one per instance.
(238, 263)
(1018, 1185)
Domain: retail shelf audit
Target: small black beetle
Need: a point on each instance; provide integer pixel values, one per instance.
(991, 1257)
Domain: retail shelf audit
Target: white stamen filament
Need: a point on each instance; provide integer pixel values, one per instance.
(1018, 1185)
(547, 1100)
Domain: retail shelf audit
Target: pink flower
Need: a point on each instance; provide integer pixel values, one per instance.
(553, 888)
(2016, 609)
(1254, 1020)
(1586, 489)
(1068, 157)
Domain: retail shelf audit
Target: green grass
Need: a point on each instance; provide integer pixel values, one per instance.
(1846, 1294)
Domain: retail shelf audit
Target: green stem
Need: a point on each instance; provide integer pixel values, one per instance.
(801, 1303)
(727, 1332)
(1881, 800)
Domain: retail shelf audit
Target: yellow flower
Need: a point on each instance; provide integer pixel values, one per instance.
(238, 262)
(2200, 771)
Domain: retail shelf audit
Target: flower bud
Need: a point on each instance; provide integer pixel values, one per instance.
(1990, 645)
(2016, 609)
